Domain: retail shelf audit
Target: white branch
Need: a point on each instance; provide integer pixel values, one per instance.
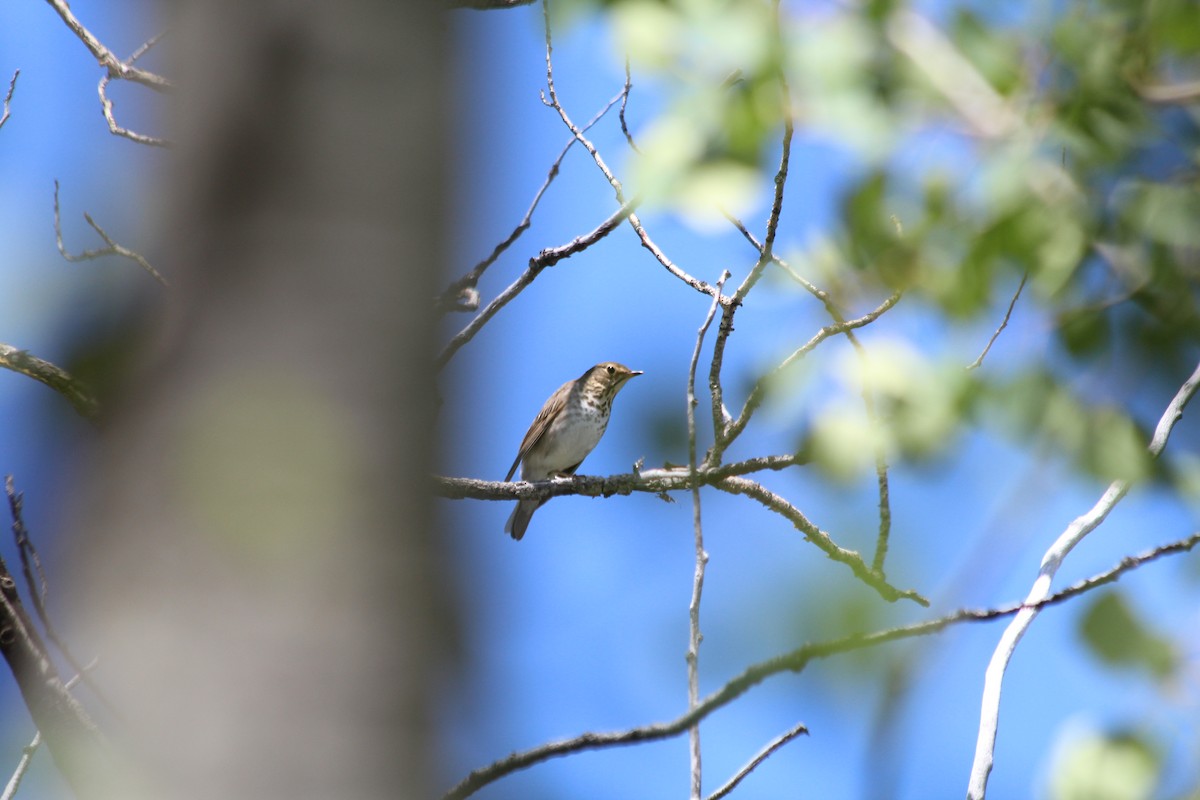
(989, 715)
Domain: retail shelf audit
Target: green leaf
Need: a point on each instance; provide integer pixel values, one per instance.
(1115, 634)
(1105, 767)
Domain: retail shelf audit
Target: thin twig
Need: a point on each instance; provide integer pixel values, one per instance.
(112, 249)
(763, 755)
(107, 106)
(547, 258)
(31, 563)
(720, 415)
(462, 295)
(624, 102)
(552, 255)
(869, 576)
(1003, 324)
(634, 221)
(732, 429)
(693, 653)
(35, 580)
(793, 661)
(12, 87)
(881, 467)
(989, 716)
(116, 69)
(14, 782)
(124, 70)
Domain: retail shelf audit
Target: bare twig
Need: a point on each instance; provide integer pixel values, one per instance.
(116, 69)
(763, 755)
(57, 379)
(547, 258)
(733, 428)
(123, 70)
(793, 661)
(14, 781)
(75, 743)
(693, 653)
(12, 87)
(462, 295)
(634, 221)
(107, 106)
(35, 580)
(720, 415)
(1003, 324)
(624, 102)
(112, 248)
(871, 577)
(552, 255)
(989, 716)
(881, 467)
(31, 563)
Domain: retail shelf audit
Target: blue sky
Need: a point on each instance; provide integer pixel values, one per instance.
(582, 626)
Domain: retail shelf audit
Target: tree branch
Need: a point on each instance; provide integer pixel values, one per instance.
(547, 258)
(35, 581)
(112, 249)
(462, 295)
(634, 221)
(57, 379)
(123, 70)
(693, 653)
(720, 415)
(653, 481)
(12, 87)
(793, 661)
(734, 428)
(871, 577)
(881, 467)
(763, 755)
(73, 739)
(989, 715)
(115, 69)
(1003, 324)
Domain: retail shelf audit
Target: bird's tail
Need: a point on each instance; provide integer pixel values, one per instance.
(518, 521)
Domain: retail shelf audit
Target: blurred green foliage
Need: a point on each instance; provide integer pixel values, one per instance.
(1115, 633)
(1097, 766)
(1086, 185)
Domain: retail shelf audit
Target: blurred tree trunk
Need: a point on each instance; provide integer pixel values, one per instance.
(254, 564)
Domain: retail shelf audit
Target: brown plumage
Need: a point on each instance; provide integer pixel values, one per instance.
(568, 427)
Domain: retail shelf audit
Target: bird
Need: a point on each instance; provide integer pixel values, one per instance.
(568, 427)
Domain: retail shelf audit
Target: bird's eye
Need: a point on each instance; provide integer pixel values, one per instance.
(610, 369)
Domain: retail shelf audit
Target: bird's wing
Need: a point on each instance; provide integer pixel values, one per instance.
(541, 424)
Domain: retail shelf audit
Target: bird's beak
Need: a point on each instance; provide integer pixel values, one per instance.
(634, 373)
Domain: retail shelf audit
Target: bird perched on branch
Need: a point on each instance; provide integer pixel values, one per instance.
(568, 427)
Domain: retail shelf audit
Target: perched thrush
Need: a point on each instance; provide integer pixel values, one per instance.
(567, 428)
